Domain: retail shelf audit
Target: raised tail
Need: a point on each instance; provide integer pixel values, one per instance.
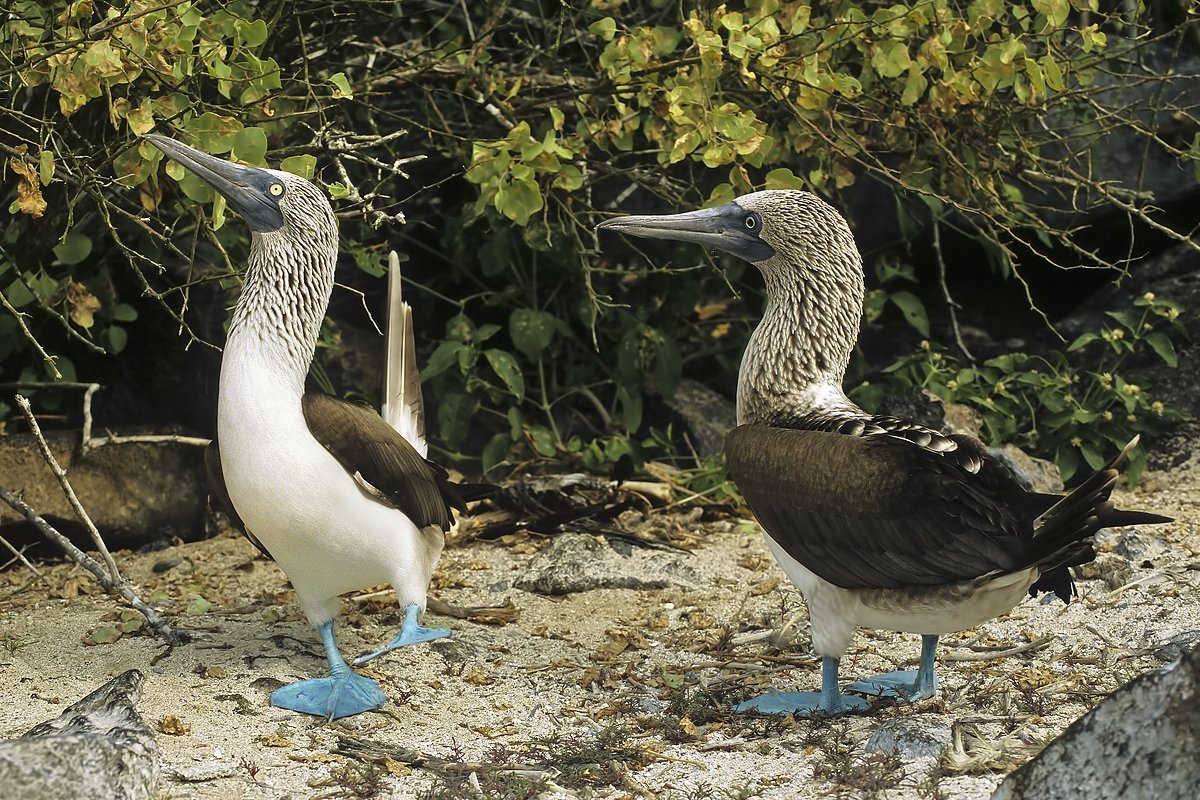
(403, 407)
(1063, 534)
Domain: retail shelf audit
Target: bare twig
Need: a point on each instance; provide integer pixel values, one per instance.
(120, 586)
(72, 498)
(950, 304)
(992, 655)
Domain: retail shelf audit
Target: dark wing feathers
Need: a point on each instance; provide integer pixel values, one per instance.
(874, 511)
(365, 444)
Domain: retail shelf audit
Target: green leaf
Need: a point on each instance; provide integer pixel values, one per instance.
(341, 86)
(118, 337)
(74, 247)
(1093, 457)
(303, 165)
(1162, 345)
(605, 28)
(454, 418)
(668, 365)
(1084, 339)
(509, 371)
(1128, 318)
(443, 357)
(252, 33)
(531, 331)
(495, 451)
(631, 409)
(197, 606)
(124, 312)
(105, 635)
(543, 440)
(913, 309)
(250, 146)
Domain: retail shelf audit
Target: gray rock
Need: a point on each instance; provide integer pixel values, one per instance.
(910, 738)
(576, 562)
(1177, 646)
(1142, 743)
(1035, 474)
(98, 749)
(132, 491)
(709, 415)
(1135, 546)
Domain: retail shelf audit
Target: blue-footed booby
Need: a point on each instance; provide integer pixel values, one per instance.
(340, 497)
(880, 522)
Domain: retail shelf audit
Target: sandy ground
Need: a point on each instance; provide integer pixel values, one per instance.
(608, 693)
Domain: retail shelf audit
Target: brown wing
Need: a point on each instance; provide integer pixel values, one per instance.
(875, 511)
(363, 443)
(216, 479)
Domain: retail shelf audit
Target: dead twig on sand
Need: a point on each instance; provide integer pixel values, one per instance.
(111, 579)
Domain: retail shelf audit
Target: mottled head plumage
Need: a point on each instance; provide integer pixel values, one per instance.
(798, 354)
(293, 253)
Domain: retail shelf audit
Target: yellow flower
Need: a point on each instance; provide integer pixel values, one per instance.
(1156, 407)
(720, 330)
(1172, 313)
(1076, 441)
(1148, 297)
(1131, 418)
(1130, 389)
(1107, 415)
(999, 387)
(1119, 333)
(952, 385)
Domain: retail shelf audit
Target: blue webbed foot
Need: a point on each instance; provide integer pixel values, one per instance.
(910, 685)
(802, 704)
(410, 633)
(901, 684)
(339, 694)
(829, 702)
(331, 697)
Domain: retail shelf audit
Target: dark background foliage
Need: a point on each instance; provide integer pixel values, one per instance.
(998, 163)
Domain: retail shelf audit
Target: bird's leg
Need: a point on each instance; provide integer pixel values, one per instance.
(340, 694)
(410, 633)
(829, 702)
(905, 684)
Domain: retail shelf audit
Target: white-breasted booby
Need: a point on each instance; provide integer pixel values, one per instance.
(880, 522)
(339, 497)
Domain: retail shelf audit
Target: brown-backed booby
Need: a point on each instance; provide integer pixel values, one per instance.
(880, 522)
(339, 497)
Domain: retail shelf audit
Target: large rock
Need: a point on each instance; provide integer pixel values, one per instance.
(1142, 743)
(132, 491)
(98, 749)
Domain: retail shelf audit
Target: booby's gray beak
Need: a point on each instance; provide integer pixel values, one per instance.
(729, 227)
(248, 190)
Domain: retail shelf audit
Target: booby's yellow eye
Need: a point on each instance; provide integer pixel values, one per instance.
(277, 189)
(751, 222)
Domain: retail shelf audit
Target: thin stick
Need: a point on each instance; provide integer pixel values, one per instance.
(21, 557)
(950, 304)
(995, 654)
(93, 566)
(72, 498)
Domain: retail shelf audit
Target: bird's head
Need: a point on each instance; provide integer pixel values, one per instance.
(786, 233)
(814, 280)
(274, 204)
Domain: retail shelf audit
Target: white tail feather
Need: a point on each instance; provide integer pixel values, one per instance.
(402, 405)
